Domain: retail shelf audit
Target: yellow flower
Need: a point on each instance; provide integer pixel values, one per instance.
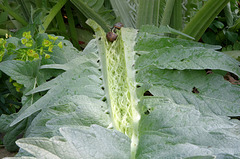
(18, 86)
(27, 35)
(29, 44)
(24, 41)
(31, 52)
(36, 56)
(52, 37)
(60, 45)
(50, 48)
(46, 43)
(47, 56)
(24, 34)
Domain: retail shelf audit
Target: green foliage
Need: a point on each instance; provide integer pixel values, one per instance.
(198, 25)
(24, 49)
(128, 99)
(191, 8)
(9, 96)
(223, 30)
(39, 17)
(68, 18)
(25, 74)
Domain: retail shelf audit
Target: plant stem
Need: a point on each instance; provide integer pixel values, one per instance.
(167, 12)
(117, 59)
(61, 24)
(204, 17)
(53, 12)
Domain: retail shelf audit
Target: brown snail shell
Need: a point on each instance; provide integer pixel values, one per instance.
(111, 36)
(118, 25)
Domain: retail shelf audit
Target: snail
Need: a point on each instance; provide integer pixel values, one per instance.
(112, 36)
(118, 26)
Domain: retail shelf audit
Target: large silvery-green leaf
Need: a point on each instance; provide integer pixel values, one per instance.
(134, 98)
(180, 131)
(80, 143)
(218, 97)
(82, 82)
(69, 111)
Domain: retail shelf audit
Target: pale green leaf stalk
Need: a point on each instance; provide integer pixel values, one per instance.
(117, 60)
(176, 20)
(167, 12)
(149, 12)
(125, 11)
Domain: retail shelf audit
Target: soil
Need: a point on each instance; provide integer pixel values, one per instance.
(5, 153)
